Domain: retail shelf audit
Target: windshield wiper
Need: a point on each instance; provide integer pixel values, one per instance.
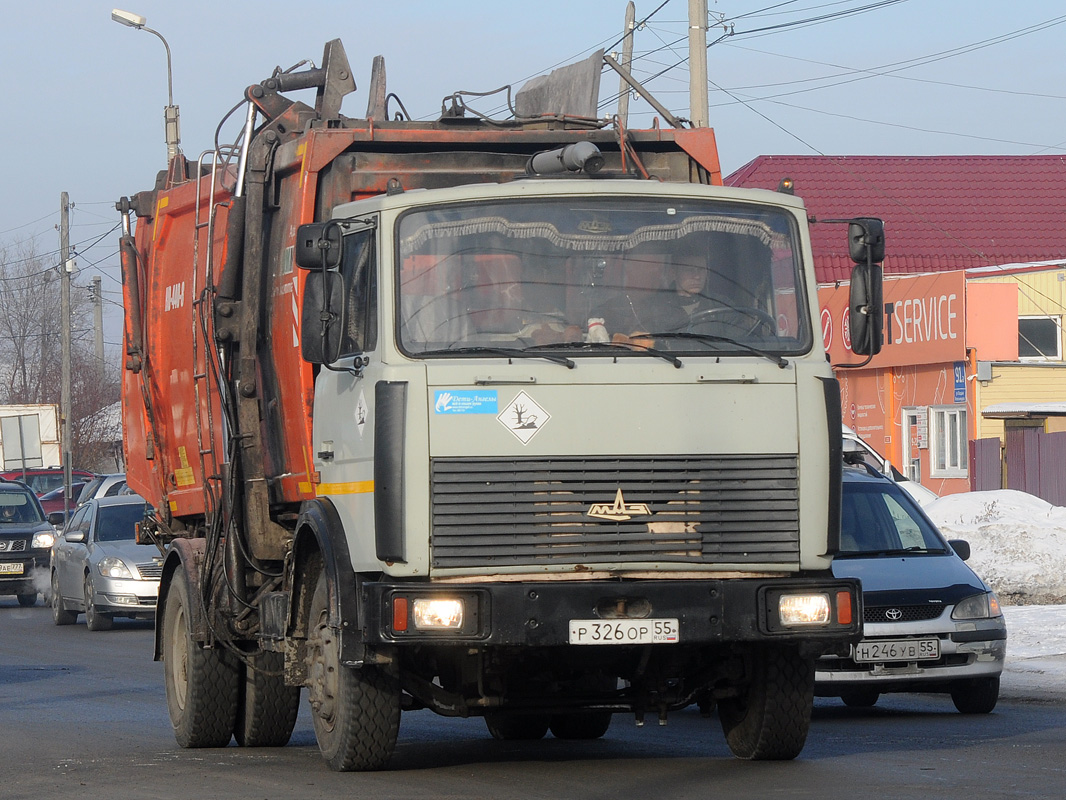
(711, 338)
(899, 551)
(628, 348)
(506, 352)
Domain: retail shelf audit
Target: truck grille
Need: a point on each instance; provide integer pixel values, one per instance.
(12, 545)
(679, 509)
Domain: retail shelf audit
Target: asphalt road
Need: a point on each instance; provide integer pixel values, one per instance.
(83, 715)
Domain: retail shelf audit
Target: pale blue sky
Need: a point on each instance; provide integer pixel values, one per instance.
(85, 96)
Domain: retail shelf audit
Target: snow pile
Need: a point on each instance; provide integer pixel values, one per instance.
(1017, 542)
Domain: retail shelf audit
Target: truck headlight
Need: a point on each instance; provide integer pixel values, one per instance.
(434, 614)
(804, 609)
(437, 613)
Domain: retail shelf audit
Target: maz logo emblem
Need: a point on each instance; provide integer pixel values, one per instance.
(619, 510)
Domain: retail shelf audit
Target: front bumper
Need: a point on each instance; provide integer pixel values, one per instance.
(126, 597)
(709, 612)
(972, 649)
(31, 572)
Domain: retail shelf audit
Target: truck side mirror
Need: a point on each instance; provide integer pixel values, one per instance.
(322, 318)
(318, 245)
(865, 311)
(866, 245)
(866, 240)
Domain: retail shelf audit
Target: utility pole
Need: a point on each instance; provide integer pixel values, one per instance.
(697, 63)
(627, 58)
(66, 267)
(98, 322)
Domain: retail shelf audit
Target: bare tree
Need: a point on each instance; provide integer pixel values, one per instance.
(31, 351)
(30, 325)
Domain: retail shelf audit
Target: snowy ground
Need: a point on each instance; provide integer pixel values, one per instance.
(1018, 545)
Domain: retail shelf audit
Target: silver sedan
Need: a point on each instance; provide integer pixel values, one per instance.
(98, 568)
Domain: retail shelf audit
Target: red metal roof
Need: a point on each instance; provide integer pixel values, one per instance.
(941, 212)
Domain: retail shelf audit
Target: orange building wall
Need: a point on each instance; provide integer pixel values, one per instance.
(992, 310)
(938, 321)
(872, 402)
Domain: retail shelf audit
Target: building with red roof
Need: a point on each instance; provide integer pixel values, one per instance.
(941, 212)
(975, 287)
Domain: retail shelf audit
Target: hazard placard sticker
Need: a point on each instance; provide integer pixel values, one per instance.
(523, 417)
(361, 413)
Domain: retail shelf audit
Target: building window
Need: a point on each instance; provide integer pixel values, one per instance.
(1040, 338)
(950, 445)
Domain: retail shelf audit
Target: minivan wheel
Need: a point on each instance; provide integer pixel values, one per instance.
(977, 696)
(860, 698)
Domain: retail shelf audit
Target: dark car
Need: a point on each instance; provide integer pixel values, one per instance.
(25, 542)
(98, 568)
(44, 479)
(53, 500)
(930, 624)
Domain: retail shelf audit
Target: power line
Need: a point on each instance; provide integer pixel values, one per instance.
(898, 125)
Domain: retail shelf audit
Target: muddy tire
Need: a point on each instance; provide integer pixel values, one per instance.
(267, 708)
(516, 727)
(977, 696)
(589, 725)
(202, 684)
(770, 720)
(60, 614)
(95, 620)
(355, 712)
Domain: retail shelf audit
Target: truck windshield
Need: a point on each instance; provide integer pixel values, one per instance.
(569, 271)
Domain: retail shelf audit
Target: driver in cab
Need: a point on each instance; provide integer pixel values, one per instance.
(635, 314)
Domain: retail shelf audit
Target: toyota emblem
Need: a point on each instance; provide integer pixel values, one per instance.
(894, 614)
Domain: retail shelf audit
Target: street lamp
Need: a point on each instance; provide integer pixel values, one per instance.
(173, 128)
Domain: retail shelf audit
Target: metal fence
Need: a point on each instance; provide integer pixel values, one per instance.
(1035, 464)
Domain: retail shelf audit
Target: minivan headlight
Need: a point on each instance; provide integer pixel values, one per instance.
(978, 606)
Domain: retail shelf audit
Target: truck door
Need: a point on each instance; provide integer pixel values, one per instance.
(345, 388)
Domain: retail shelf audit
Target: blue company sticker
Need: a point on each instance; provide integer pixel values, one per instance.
(465, 402)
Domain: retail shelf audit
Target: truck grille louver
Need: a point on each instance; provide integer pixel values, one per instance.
(534, 511)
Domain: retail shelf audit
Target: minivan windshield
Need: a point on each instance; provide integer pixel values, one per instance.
(878, 519)
(707, 277)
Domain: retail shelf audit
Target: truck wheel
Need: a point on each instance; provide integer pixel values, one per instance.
(978, 696)
(590, 725)
(267, 708)
(201, 684)
(60, 615)
(94, 619)
(356, 712)
(516, 727)
(28, 599)
(770, 720)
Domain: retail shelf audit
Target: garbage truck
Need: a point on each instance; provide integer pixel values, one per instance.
(427, 418)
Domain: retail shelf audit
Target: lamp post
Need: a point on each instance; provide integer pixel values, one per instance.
(171, 118)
